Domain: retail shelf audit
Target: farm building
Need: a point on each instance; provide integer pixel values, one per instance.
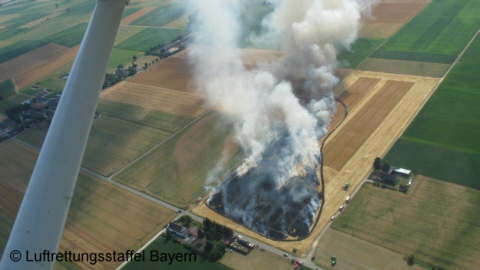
(403, 172)
(384, 177)
(177, 229)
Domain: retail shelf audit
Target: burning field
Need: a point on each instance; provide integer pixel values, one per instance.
(262, 202)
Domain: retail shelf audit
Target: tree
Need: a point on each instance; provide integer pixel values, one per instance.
(377, 163)
(385, 167)
(185, 220)
(208, 247)
(201, 234)
(120, 66)
(146, 65)
(134, 58)
(207, 223)
(411, 260)
(56, 5)
(68, 10)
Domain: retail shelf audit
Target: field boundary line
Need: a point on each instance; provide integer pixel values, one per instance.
(159, 144)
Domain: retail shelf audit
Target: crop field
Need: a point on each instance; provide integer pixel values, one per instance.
(122, 57)
(150, 37)
(160, 16)
(53, 69)
(125, 32)
(361, 49)
(113, 143)
(171, 73)
(162, 245)
(355, 253)
(176, 170)
(427, 69)
(442, 141)
(386, 17)
(139, 13)
(69, 37)
(18, 48)
(437, 34)
(22, 66)
(156, 98)
(102, 217)
(360, 90)
(143, 116)
(436, 221)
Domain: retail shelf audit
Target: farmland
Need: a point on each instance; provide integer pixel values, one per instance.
(442, 141)
(355, 253)
(113, 143)
(436, 221)
(256, 259)
(140, 115)
(160, 16)
(361, 49)
(427, 69)
(156, 98)
(69, 37)
(438, 34)
(150, 37)
(176, 170)
(139, 13)
(18, 48)
(162, 245)
(102, 217)
(359, 90)
(172, 73)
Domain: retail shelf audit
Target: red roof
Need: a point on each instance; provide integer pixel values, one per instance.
(193, 231)
(38, 106)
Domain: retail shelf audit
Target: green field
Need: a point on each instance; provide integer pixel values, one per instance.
(176, 171)
(150, 37)
(361, 49)
(150, 118)
(162, 245)
(120, 56)
(69, 37)
(130, 11)
(160, 16)
(7, 88)
(12, 101)
(442, 141)
(436, 221)
(113, 143)
(437, 34)
(125, 32)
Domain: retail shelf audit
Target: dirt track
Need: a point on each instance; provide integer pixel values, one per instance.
(407, 93)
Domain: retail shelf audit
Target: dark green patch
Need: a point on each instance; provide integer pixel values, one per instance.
(7, 88)
(160, 16)
(130, 11)
(150, 37)
(69, 37)
(19, 48)
(414, 56)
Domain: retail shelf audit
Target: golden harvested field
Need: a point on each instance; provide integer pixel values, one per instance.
(426, 69)
(172, 73)
(355, 253)
(376, 143)
(388, 16)
(137, 15)
(156, 98)
(28, 68)
(38, 21)
(102, 217)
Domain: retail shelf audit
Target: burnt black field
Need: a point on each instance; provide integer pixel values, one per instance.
(271, 207)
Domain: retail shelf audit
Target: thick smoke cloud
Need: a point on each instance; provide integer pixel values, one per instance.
(261, 100)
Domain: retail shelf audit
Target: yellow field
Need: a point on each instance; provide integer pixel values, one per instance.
(156, 98)
(102, 217)
(359, 164)
(436, 70)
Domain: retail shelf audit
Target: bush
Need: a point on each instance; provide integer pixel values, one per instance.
(377, 163)
(411, 260)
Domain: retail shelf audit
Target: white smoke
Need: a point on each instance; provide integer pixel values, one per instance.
(262, 100)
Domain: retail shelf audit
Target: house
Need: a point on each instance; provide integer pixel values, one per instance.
(384, 177)
(38, 106)
(192, 231)
(177, 230)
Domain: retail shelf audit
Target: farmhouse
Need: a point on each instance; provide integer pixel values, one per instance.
(384, 177)
(177, 229)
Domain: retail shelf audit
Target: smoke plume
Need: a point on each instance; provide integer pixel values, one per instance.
(281, 108)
